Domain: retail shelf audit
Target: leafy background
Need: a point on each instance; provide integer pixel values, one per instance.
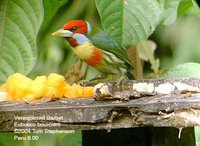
(19, 25)
(26, 44)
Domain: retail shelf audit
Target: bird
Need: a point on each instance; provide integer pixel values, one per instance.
(102, 52)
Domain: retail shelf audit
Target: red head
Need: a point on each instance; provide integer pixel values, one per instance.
(77, 26)
(71, 28)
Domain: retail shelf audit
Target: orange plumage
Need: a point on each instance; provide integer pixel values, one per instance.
(96, 58)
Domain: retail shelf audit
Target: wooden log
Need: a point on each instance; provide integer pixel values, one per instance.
(177, 109)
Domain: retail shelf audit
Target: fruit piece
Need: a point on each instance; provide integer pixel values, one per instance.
(70, 92)
(77, 91)
(17, 85)
(88, 91)
(56, 80)
(56, 85)
(38, 87)
(29, 97)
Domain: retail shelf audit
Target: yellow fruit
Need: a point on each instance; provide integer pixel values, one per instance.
(70, 92)
(20, 87)
(38, 87)
(88, 92)
(77, 91)
(56, 85)
(56, 80)
(17, 86)
(29, 97)
(53, 93)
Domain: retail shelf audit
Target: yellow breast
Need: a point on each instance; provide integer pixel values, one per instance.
(84, 51)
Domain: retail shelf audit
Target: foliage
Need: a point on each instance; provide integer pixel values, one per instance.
(131, 20)
(19, 24)
(183, 70)
(44, 139)
(26, 27)
(197, 135)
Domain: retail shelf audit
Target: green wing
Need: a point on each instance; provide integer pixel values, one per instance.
(105, 42)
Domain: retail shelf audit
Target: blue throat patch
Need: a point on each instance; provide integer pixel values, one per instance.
(80, 38)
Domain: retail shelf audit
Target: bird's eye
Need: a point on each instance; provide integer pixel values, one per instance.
(73, 28)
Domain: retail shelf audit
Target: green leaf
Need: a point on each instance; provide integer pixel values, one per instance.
(129, 21)
(19, 24)
(183, 70)
(50, 9)
(184, 6)
(197, 135)
(170, 8)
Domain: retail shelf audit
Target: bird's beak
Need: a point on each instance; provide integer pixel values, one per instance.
(62, 33)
